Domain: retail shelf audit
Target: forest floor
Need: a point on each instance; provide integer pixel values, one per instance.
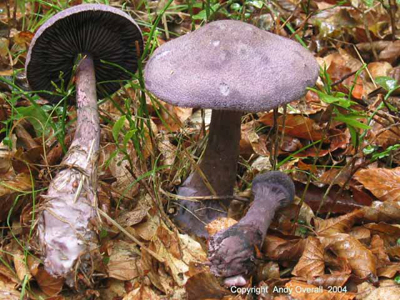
(340, 144)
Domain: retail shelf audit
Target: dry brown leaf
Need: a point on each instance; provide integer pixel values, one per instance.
(340, 224)
(133, 217)
(378, 249)
(382, 211)
(170, 241)
(23, 38)
(379, 68)
(383, 134)
(168, 151)
(141, 293)
(389, 271)
(12, 186)
(49, 285)
(204, 286)
(295, 126)
(360, 258)
(337, 279)
(388, 290)
(173, 116)
(270, 270)
(8, 291)
(277, 248)
(251, 142)
(394, 252)
(361, 233)
(33, 264)
(391, 52)
(146, 230)
(20, 265)
(156, 273)
(383, 183)
(7, 274)
(388, 233)
(123, 261)
(311, 263)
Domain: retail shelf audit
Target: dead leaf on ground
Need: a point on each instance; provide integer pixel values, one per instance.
(337, 279)
(383, 183)
(11, 187)
(341, 224)
(311, 263)
(359, 257)
(391, 52)
(123, 260)
(49, 285)
(277, 248)
(388, 290)
(134, 216)
(296, 126)
(143, 292)
(388, 211)
(205, 286)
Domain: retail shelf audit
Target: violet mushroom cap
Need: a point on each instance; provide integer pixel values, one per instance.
(232, 251)
(104, 32)
(230, 67)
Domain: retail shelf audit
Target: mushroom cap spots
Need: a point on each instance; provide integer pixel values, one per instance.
(108, 34)
(230, 65)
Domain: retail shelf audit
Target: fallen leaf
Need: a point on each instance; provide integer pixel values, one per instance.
(51, 286)
(360, 258)
(123, 261)
(311, 263)
(383, 183)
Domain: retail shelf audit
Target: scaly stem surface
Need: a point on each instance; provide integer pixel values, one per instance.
(64, 225)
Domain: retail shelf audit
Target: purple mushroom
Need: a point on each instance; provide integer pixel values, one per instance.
(97, 33)
(232, 251)
(231, 67)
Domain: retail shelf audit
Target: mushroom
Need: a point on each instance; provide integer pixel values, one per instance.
(231, 67)
(232, 251)
(96, 33)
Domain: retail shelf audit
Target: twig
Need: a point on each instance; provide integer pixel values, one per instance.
(199, 198)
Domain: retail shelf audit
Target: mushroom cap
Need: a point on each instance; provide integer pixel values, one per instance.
(230, 65)
(104, 32)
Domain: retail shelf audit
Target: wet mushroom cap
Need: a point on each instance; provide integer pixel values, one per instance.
(230, 65)
(107, 33)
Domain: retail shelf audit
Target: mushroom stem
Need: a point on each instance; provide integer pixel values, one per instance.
(219, 165)
(64, 227)
(87, 135)
(232, 251)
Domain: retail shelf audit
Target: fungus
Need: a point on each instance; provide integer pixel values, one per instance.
(231, 67)
(97, 33)
(232, 251)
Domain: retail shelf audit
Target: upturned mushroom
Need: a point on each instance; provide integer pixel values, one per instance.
(232, 251)
(108, 40)
(231, 67)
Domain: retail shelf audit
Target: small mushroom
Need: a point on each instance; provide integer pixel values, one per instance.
(97, 33)
(232, 251)
(231, 67)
